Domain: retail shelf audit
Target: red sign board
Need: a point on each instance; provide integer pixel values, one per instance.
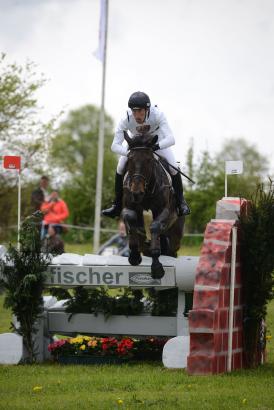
(12, 162)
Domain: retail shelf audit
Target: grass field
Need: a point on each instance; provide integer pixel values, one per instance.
(133, 386)
(82, 248)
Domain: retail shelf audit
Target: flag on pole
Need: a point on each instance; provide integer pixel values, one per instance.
(233, 167)
(12, 162)
(100, 52)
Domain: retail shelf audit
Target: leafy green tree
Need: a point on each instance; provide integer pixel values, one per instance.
(21, 133)
(74, 151)
(21, 130)
(210, 176)
(203, 196)
(190, 162)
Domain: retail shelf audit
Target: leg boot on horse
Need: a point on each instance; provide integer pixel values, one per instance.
(131, 221)
(116, 207)
(157, 270)
(182, 206)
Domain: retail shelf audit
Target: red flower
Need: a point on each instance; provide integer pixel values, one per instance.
(124, 346)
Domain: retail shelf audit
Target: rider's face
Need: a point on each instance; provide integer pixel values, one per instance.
(139, 115)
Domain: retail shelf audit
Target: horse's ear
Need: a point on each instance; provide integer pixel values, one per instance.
(127, 138)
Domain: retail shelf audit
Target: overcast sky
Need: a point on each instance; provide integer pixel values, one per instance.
(209, 65)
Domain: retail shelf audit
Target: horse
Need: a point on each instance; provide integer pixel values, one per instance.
(147, 186)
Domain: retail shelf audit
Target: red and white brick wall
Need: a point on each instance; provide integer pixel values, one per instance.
(209, 317)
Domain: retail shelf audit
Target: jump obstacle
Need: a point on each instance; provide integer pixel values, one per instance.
(207, 276)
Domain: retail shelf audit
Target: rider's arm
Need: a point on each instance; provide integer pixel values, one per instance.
(166, 137)
(117, 144)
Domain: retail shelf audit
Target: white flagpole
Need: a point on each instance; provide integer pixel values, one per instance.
(19, 210)
(100, 160)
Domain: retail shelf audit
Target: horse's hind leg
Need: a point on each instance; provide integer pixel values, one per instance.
(130, 219)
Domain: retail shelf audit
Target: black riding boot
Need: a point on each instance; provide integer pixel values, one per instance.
(116, 207)
(182, 206)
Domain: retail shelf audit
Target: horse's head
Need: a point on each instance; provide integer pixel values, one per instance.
(140, 164)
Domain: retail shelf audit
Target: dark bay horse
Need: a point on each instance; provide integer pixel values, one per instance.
(147, 186)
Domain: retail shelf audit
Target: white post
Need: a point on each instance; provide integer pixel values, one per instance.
(225, 184)
(100, 159)
(231, 301)
(180, 313)
(19, 210)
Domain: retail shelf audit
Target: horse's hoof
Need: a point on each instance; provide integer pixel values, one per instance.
(135, 259)
(157, 271)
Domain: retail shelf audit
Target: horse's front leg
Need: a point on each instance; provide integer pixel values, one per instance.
(156, 228)
(131, 223)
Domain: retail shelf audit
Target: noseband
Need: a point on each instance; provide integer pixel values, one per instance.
(139, 175)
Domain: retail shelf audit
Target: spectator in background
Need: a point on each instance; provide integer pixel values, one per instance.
(117, 244)
(55, 212)
(52, 243)
(40, 194)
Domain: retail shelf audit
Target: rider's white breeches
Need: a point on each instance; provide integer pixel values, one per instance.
(165, 153)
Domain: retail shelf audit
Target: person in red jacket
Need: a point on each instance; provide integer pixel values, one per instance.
(55, 212)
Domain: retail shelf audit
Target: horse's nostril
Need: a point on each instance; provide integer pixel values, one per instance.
(137, 196)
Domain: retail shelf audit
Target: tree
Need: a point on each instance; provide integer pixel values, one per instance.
(21, 130)
(74, 151)
(190, 162)
(21, 133)
(210, 175)
(204, 194)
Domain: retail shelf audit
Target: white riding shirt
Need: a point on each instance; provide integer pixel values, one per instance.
(155, 123)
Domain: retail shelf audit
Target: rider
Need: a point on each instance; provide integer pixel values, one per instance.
(144, 118)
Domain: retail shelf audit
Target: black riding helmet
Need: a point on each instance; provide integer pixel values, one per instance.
(139, 100)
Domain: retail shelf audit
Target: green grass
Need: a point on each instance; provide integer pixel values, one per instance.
(137, 386)
(79, 248)
(82, 248)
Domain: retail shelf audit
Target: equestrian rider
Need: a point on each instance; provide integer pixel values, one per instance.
(144, 118)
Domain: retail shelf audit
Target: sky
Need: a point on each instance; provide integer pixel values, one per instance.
(209, 65)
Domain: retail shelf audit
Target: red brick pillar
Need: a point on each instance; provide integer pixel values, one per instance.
(208, 320)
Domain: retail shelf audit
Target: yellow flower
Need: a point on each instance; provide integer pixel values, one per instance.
(92, 343)
(120, 401)
(37, 388)
(76, 340)
(87, 338)
(82, 347)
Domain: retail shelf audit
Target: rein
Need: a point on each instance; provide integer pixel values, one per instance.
(146, 180)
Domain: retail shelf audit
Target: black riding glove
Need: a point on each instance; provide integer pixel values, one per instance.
(155, 147)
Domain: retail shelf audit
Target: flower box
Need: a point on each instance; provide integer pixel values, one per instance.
(106, 350)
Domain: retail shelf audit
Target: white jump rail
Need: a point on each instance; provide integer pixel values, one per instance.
(71, 270)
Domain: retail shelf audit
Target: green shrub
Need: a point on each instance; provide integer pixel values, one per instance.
(23, 280)
(257, 257)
